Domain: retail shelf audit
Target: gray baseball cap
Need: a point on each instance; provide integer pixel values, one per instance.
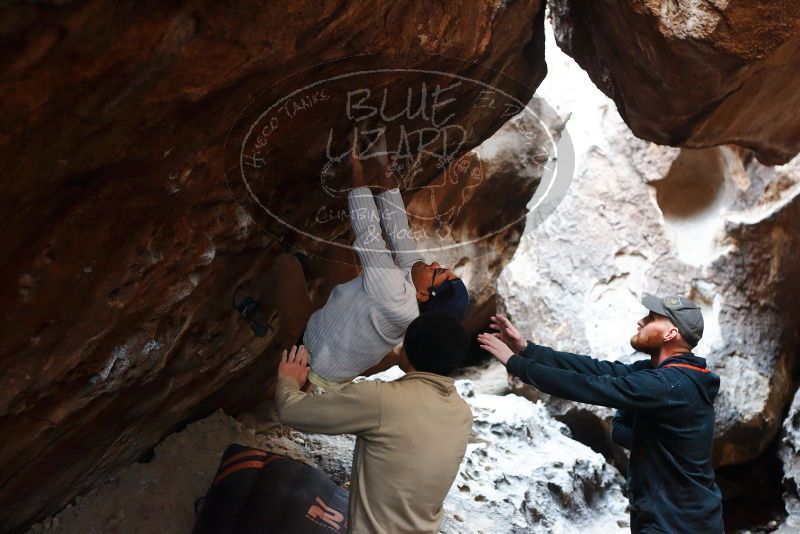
(683, 313)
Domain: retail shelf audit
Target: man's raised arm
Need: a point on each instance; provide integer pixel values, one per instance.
(394, 220)
(527, 350)
(382, 277)
(392, 210)
(354, 409)
(578, 362)
(637, 392)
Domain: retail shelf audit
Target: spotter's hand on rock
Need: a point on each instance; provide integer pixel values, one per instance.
(294, 364)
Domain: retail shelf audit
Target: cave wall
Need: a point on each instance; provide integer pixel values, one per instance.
(694, 74)
(789, 454)
(123, 242)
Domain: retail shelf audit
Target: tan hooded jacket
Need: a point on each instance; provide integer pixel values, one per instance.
(411, 433)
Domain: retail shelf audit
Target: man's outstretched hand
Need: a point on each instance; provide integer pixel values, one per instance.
(507, 333)
(294, 364)
(496, 347)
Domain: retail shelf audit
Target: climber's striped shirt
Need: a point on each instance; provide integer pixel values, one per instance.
(365, 318)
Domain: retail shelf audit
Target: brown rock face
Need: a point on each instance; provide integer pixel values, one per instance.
(123, 242)
(693, 74)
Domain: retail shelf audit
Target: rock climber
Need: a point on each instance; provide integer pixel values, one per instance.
(411, 433)
(665, 409)
(359, 319)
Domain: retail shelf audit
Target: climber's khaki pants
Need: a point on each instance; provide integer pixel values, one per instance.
(285, 289)
(320, 386)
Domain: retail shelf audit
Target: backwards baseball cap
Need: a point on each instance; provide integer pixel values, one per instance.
(451, 297)
(683, 313)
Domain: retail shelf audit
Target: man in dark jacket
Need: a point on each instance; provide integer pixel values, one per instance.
(665, 410)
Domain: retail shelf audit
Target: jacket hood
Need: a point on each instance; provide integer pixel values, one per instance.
(707, 383)
(443, 384)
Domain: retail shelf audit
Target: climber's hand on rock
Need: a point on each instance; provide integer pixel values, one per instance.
(507, 333)
(496, 347)
(294, 364)
(377, 156)
(356, 166)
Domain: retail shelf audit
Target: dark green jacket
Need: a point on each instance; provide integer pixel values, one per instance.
(666, 420)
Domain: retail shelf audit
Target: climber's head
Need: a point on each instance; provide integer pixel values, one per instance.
(435, 342)
(439, 289)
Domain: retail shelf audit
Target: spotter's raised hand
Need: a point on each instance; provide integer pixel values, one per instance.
(294, 364)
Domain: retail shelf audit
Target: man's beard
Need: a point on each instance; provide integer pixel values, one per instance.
(649, 344)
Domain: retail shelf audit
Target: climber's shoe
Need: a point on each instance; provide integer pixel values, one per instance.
(305, 262)
(248, 307)
(297, 250)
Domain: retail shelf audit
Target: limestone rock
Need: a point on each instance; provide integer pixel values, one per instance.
(789, 452)
(522, 473)
(694, 74)
(712, 224)
(123, 241)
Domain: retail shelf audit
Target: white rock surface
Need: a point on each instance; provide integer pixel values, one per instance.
(709, 224)
(522, 473)
(789, 451)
